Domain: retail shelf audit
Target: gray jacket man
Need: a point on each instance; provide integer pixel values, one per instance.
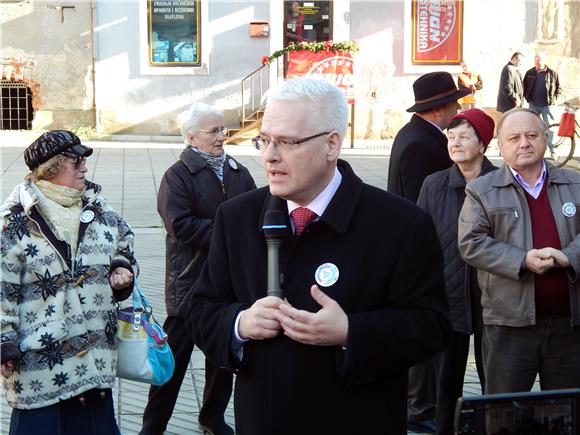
(519, 227)
(511, 88)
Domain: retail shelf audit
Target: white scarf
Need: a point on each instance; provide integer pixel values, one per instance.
(61, 207)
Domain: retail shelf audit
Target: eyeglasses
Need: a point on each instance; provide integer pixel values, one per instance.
(261, 143)
(216, 131)
(77, 161)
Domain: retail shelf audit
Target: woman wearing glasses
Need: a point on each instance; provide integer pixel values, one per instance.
(190, 192)
(67, 257)
(442, 196)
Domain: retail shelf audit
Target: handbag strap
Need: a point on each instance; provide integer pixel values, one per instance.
(140, 301)
(140, 304)
(153, 330)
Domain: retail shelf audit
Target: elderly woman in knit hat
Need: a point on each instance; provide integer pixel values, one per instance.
(67, 258)
(442, 196)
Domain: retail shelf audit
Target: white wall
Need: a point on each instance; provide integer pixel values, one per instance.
(130, 101)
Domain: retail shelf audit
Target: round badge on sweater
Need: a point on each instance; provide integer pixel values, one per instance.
(326, 275)
(87, 216)
(233, 163)
(569, 209)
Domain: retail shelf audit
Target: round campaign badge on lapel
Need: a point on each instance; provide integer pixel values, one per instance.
(233, 163)
(87, 216)
(326, 275)
(569, 209)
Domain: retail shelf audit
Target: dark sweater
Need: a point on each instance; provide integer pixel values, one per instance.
(551, 289)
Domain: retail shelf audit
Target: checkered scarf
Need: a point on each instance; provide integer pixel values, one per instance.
(216, 163)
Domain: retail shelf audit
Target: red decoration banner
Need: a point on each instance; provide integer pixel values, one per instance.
(336, 67)
(437, 32)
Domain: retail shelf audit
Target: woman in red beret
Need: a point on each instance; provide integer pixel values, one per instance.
(442, 196)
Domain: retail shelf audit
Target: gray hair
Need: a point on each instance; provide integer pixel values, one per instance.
(516, 110)
(190, 120)
(326, 102)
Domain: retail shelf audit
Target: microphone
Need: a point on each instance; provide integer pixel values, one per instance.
(274, 229)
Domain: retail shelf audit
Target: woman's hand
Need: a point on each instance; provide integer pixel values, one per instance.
(120, 278)
(7, 368)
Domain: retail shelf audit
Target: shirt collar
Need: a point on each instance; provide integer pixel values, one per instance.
(539, 182)
(319, 204)
(432, 123)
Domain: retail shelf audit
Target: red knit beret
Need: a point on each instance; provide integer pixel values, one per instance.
(481, 122)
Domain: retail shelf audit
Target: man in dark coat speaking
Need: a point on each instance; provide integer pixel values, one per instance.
(363, 291)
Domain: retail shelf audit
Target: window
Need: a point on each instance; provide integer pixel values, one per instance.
(16, 111)
(307, 21)
(174, 33)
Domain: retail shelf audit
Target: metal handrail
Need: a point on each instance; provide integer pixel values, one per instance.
(257, 84)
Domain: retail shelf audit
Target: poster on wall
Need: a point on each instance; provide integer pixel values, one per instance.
(336, 67)
(437, 32)
(174, 32)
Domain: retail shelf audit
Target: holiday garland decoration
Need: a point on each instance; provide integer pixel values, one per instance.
(314, 46)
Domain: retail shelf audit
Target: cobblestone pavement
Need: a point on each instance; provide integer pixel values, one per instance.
(130, 174)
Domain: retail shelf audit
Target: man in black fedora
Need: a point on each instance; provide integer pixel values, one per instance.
(420, 149)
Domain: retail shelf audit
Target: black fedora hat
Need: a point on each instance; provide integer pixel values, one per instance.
(435, 89)
(50, 144)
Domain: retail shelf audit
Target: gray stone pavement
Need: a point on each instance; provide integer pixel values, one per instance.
(130, 173)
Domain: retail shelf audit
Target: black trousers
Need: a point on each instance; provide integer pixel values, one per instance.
(451, 365)
(216, 394)
(514, 356)
(94, 416)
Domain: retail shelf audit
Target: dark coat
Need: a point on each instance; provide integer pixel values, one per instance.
(553, 89)
(189, 195)
(390, 285)
(511, 88)
(419, 149)
(442, 196)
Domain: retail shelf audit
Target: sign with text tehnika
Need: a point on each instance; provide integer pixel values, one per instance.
(437, 32)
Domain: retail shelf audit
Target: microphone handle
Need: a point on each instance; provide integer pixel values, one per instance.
(274, 268)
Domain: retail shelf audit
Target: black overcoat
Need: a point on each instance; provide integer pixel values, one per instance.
(189, 195)
(442, 196)
(390, 284)
(511, 88)
(419, 149)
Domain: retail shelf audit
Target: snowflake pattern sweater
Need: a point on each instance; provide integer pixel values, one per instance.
(59, 311)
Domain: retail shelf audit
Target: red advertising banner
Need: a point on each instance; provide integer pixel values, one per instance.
(336, 67)
(437, 32)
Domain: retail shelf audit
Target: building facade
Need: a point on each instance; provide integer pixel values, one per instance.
(129, 67)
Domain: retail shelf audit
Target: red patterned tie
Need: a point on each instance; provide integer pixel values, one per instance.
(301, 217)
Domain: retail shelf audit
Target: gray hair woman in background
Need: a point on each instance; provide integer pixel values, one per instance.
(190, 193)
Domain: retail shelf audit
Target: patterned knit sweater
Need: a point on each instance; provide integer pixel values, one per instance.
(59, 311)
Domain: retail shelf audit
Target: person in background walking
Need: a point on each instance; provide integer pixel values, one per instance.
(541, 89)
(511, 88)
(189, 194)
(472, 81)
(442, 196)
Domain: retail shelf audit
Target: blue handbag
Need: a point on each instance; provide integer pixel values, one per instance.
(143, 354)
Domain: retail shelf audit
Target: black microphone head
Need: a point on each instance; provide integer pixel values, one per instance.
(274, 224)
